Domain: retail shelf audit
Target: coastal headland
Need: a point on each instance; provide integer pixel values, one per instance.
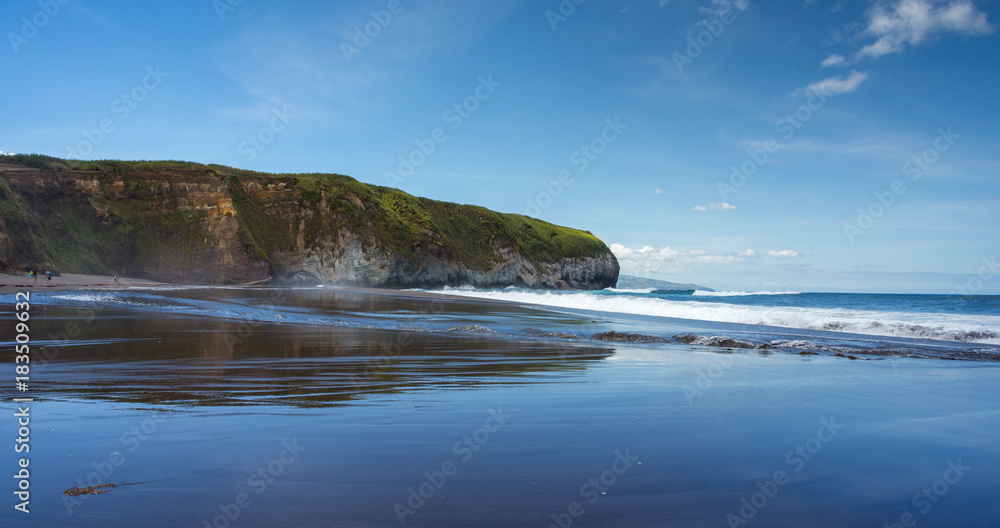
(180, 222)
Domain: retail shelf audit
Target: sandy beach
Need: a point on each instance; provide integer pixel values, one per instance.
(21, 282)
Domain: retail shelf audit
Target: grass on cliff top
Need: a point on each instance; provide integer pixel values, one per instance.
(402, 221)
(39, 161)
(468, 232)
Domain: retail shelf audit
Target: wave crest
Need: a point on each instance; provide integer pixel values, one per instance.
(703, 293)
(942, 327)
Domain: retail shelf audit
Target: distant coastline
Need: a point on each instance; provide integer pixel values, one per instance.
(633, 282)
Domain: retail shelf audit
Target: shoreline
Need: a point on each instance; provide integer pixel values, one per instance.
(11, 284)
(407, 310)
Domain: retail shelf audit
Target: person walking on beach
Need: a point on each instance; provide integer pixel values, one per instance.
(116, 278)
(48, 275)
(34, 276)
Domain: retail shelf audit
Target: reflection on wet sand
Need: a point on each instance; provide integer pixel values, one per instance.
(179, 359)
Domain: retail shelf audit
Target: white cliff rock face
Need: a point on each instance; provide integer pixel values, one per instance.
(349, 261)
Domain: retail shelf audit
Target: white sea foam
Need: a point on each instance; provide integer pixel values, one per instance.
(703, 293)
(949, 327)
(87, 297)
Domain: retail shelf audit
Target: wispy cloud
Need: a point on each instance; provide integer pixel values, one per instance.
(783, 254)
(298, 63)
(833, 60)
(668, 259)
(915, 22)
(724, 207)
(96, 18)
(837, 85)
(720, 8)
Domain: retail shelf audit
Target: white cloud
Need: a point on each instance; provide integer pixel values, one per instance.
(629, 4)
(725, 207)
(833, 60)
(658, 191)
(915, 22)
(837, 85)
(668, 259)
(750, 253)
(724, 8)
(783, 254)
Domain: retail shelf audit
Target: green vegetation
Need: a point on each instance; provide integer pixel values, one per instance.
(38, 161)
(406, 224)
(138, 226)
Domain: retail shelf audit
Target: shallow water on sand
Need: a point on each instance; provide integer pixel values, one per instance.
(242, 422)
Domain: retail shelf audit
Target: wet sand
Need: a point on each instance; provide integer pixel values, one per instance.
(207, 420)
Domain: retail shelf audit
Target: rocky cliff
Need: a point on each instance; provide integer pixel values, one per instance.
(209, 224)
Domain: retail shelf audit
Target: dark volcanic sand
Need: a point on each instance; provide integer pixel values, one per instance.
(344, 422)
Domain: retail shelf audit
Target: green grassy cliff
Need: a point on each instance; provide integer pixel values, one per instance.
(188, 222)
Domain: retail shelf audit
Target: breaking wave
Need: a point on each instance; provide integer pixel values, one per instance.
(935, 326)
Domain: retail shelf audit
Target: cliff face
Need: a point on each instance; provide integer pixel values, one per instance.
(190, 223)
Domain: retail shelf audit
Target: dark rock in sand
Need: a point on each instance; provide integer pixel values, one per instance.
(90, 490)
(622, 337)
(534, 332)
(472, 329)
(719, 341)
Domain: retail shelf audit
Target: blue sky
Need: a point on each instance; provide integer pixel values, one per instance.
(726, 143)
